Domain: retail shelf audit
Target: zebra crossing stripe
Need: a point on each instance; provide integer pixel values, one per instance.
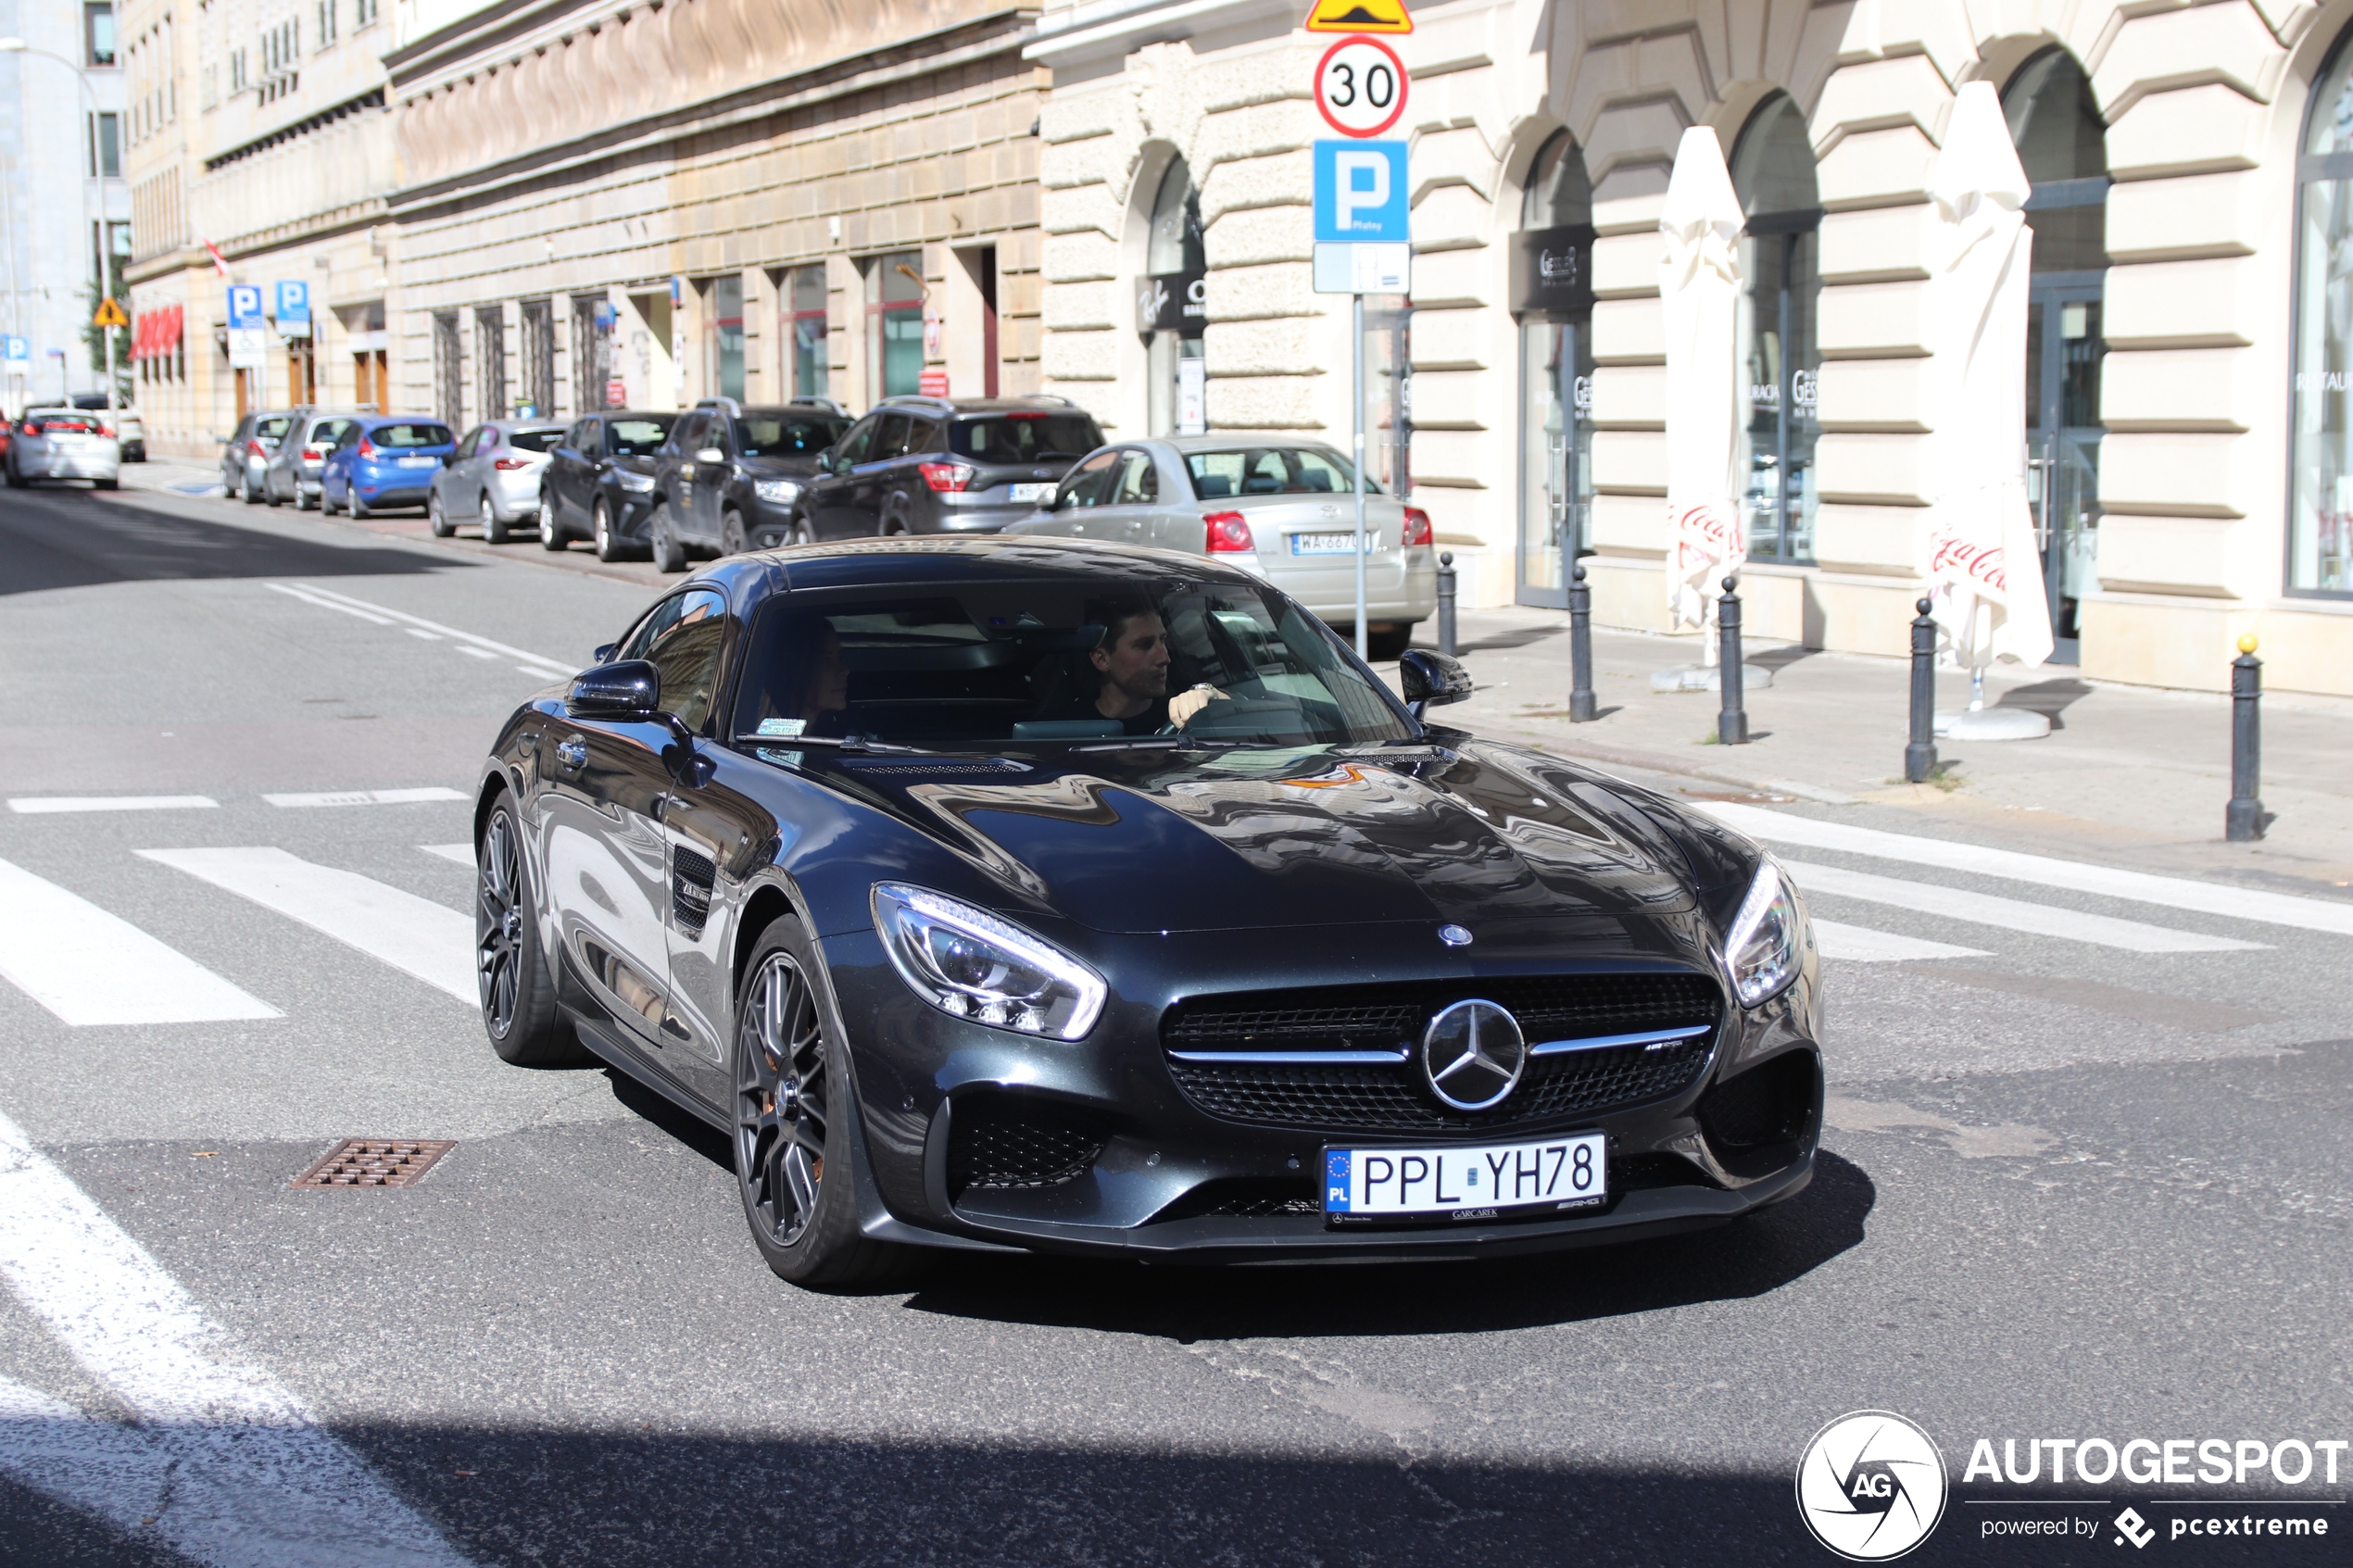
(430, 941)
(2010, 914)
(1861, 944)
(89, 967)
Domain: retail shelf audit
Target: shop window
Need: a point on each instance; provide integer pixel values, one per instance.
(490, 356)
(1780, 267)
(449, 368)
(804, 297)
(723, 337)
(538, 358)
(2320, 543)
(895, 324)
(1552, 300)
(1172, 305)
(591, 321)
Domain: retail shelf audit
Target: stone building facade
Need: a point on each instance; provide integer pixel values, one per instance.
(608, 202)
(2189, 330)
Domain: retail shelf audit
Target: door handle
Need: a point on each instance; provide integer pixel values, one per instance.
(573, 752)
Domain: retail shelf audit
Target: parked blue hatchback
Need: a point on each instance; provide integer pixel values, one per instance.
(385, 460)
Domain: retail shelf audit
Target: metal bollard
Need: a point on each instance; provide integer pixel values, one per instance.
(1732, 721)
(1583, 706)
(2242, 820)
(1446, 604)
(1920, 757)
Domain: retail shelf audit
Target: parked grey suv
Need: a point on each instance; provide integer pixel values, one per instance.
(932, 465)
(292, 472)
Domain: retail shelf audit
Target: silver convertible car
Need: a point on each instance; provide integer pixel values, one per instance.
(1283, 511)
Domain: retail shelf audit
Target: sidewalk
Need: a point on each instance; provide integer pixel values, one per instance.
(2126, 771)
(173, 474)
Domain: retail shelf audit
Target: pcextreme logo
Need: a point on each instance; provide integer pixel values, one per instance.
(1871, 1486)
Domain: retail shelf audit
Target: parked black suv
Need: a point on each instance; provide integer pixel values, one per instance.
(930, 465)
(730, 477)
(598, 483)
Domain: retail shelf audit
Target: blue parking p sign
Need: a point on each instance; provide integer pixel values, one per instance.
(244, 306)
(1360, 195)
(294, 302)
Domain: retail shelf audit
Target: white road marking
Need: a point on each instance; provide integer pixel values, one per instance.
(2173, 892)
(473, 652)
(41, 805)
(2011, 914)
(420, 632)
(431, 941)
(327, 604)
(367, 796)
(340, 600)
(89, 967)
(461, 853)
(228, 1467)
(1860, 944)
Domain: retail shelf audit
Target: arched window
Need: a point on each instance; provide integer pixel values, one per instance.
(2320, 541)
(1552, 296)
(1171, 306)
(1773, 175)
(2055, 124)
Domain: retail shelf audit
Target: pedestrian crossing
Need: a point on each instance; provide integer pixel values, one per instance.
(90, 966)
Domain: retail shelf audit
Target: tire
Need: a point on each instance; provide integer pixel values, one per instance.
(801, 533)
(228, 489)
(355, 505)
(15, 480)
(494, 528)
(609, 544)
(551, 538)
(435, 517)
(270, 494)
(107, 483)
(894, 524)
(136, 453)
(796, 1161)
(303, 502)
(669, 554)
(731, 534)
(252, 497)
(517, 990)
(1383, 647)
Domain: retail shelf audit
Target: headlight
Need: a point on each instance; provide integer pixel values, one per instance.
(635, 480)
(1769, 938)
(969, 964)
(776, 491)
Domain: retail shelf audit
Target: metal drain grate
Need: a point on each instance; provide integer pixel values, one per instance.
(375, 1162)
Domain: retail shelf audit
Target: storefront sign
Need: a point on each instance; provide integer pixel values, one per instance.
(932, 383)
(1172, 302)
(616, 393)
(1553, 271)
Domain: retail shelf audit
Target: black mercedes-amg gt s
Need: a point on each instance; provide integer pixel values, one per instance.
(1005, 894)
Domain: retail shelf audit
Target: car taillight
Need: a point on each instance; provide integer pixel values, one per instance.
(508, 465)
(1228, 532)
(105, 429)
(367, 447)
(946, 476)
(1416, 527)
(314, 453)
(32, 428)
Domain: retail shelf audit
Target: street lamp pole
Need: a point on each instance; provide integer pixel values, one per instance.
(19, 47)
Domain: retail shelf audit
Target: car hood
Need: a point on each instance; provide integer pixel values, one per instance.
(1523, 850)
(779, 467)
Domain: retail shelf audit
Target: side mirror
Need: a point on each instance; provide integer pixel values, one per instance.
(711, 455)
(1432, 680)
(627, 692)
(603, 654)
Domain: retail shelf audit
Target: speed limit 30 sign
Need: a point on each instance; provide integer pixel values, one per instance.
(1360, 87)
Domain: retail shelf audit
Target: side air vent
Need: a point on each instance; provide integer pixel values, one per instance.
(691, 879)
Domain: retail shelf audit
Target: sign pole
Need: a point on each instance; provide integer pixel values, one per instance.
(109, 369)
(1356, 412)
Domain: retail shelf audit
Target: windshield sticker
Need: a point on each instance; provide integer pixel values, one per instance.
(787, 728)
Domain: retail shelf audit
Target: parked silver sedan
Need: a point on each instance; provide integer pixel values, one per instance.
(1283, 510)
(63, 443)
(292, 473)
(492, 479)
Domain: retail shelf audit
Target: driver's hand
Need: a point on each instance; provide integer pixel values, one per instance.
(1185, 704)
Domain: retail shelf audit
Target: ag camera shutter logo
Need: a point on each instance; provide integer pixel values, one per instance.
(1871, 1486)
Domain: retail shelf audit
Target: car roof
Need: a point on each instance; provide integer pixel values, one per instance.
(1234, 442)
(640, 413)
(373, 419)
(1041, 404)
(820, 409)
(527, 424)
(947, 559)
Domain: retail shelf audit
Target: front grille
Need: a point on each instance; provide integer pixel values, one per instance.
(1385, 1099)
(1245, 1199)
(999, 1148)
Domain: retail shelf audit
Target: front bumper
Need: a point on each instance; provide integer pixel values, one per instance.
(1172, 1181)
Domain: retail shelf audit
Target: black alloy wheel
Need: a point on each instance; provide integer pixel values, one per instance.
(669, 554)
(795, 1160)
(550, 537)
(731, 534)
(609, 545)
(518, 993)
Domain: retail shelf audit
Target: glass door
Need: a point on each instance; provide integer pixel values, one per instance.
(2063, 353)
(1556, 486)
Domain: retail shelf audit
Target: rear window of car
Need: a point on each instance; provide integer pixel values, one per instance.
(761, 435)
(1024, 437)
(410, 436)
(273, 428)
(535, 440)
(326, 432)
(1271, 471)
(637, 438)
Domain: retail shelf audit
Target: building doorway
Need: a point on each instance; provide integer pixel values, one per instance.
(1551, 291)
(2062, 143)
(1172, 309)
(1781, 290)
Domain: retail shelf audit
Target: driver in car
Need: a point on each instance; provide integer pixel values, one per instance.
(1132, 662)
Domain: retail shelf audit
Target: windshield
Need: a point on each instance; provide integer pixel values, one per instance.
(409, 435)
(1055, 661)
(1025, 438)
(765, 435)
(637, 438)
(535, 440)
(1272, 470)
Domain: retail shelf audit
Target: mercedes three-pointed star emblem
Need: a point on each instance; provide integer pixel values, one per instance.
(1473, 1055)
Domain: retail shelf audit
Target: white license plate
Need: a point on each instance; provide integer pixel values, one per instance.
(1331, 544)
(1466, 1183)
(420, 462)
(1028, 492)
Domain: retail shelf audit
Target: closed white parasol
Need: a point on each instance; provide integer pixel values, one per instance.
(1699, 286)
(1985, 578)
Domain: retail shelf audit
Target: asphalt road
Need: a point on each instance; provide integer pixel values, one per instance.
(2073, 1189)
